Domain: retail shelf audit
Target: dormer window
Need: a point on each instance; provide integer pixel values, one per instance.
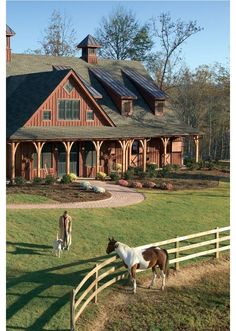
(159, 107)
(90, 115)
(47, 115)
(127, 107)
(68, 87)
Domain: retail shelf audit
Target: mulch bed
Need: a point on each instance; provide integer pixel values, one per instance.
(59, 192)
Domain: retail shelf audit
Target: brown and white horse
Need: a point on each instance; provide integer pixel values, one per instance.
(138, 258)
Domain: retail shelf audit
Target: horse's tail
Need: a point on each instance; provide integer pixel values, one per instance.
(166, 268)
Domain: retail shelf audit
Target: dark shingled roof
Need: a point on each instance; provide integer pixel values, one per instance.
(141, 123)
(26, 93)
(9, 31)
(89, 41)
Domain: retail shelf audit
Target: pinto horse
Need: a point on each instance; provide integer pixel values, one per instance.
(139, 258)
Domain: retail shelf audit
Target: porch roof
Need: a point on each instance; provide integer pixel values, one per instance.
(101, 133)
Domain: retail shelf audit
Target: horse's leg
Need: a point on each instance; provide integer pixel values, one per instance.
(154, 276)
(163, 277)
(133, 277)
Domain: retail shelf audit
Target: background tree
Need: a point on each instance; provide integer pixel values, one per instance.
(170, 36)
(123, 37)
(59, 37)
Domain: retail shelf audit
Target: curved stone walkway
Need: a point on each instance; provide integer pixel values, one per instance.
(120, 197)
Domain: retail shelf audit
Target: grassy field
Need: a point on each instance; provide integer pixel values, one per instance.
(19, 198)
(38, 284)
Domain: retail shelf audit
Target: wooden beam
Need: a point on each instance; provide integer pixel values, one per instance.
(123, 144)
(144, 146)
(97, 145)
(165, 141)
(196, 141)
(68, 145)
(13, 162)
(38, 146)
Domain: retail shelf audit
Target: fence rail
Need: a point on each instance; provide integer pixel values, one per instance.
(80, 299)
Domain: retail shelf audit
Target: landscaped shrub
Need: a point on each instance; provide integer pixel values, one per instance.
(37, 180)
(123, 182)
(175, 167)
(151, 170)
(66, 179)
(152, 166)
(98, 189)
(164, 172)
(129, 174)
(49, 180)
(101, 175)
(85, 186)
(117, 167)
(136, 184)
(73, 177)
(20, 180)
(114, 176)
(149, 184)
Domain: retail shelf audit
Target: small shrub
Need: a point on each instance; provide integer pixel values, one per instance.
(149, 184)
(129, 174)
(114, 176)
(136, 184)
(98, 189)
(73, 177)
(175, 167)
(164, 172)
(66, 179)
(152, 166)
(37, 180)
(101, 175)
(117, 167)
(123, 182)
(49, 180)
(20, 180)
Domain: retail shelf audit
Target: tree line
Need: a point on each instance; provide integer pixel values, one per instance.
(200, 97)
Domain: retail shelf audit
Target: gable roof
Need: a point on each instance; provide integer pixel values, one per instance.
(141, 121)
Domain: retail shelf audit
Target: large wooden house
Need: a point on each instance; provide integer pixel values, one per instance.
(85, 115)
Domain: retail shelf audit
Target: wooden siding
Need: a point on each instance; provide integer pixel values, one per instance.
(51, 104)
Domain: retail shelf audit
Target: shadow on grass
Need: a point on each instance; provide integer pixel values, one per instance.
(46, 279)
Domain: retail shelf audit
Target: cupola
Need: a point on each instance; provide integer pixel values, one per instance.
(9, 34)
(89, 47)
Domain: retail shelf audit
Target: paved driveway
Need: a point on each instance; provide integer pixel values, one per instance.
(120, 196)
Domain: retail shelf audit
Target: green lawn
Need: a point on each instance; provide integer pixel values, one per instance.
(18, 198)
(39, 284)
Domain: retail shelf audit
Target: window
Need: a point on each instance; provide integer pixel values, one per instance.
(135, 147)
(68, 110)
(92, 51)
(46, 115)
(159, 107)
(90, 115)
(68, 87)
(127, 107)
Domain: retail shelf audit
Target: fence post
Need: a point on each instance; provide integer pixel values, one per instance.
(72, 311)
(95, 300)
(177, 254)
(217, 244)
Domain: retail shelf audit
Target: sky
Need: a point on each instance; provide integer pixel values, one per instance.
(29, 18)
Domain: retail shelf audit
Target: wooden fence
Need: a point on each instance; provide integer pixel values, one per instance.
(81, 298)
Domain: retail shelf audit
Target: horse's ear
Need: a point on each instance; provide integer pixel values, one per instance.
(112, 238)
(109, 239)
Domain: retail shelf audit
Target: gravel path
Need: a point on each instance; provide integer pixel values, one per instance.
(120, 196)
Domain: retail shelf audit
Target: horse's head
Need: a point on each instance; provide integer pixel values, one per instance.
(111, 245)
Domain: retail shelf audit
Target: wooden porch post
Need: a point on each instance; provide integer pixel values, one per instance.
(13, 163)
(165, 142)
(196, 141)
(130, 151)
(123, 144)
(97, 145)
(144, 146)
(68, 145)
(38, 147)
